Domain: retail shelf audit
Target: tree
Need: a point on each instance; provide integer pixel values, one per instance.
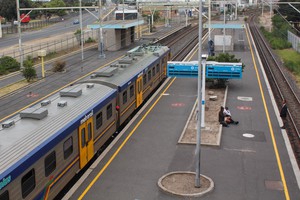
(53, 4)
(290, 13)
(29, 72)
(8, 8)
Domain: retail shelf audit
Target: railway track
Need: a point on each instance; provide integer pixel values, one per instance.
(281, 86)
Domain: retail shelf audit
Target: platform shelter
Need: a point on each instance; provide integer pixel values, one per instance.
(118, 33)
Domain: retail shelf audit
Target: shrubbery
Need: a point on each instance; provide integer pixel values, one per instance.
(59, 66)
(278, 37)
(8, 64)
(29, 71)
(224, 57)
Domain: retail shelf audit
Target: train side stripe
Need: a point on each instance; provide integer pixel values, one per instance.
(59, 177)
(108, 127)
(126, 109)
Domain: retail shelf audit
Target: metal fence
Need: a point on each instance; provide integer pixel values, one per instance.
(295, 40)
(30, 26)
(63, 44)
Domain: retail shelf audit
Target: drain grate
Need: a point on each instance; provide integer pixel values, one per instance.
(274, 185)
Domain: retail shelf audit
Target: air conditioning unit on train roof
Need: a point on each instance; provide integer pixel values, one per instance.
(71, 92)
(34, 113)
(126, 60)
(106, 72)
(8, 124)
(123, 65)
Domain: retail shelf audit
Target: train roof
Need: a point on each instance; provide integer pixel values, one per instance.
(33, 128)
(127, 69)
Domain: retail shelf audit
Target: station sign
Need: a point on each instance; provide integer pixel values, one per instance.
(215, 70)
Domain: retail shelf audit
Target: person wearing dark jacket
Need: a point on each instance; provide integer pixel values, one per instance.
(283, 113)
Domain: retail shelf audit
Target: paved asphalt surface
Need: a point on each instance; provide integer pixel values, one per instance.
(56, 29)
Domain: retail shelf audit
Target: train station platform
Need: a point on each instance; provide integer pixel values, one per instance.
(253, 160)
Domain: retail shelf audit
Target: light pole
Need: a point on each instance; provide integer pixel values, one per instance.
(81, 31)
(19, 33)
(198, 145)
(101, 45)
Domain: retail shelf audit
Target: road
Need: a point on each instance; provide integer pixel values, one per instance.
(56, 29)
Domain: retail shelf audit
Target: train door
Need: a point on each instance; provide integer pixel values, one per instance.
(164, 65)
(86, 142)
(139, 91)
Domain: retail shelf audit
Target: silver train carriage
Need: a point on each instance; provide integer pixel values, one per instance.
(44, 146)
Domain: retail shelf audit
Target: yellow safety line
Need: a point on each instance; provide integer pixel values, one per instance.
(270, 124)
(123, 143)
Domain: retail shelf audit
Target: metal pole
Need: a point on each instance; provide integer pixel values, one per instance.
(101, 45)
(123, 10)
(209, 20)
(198, 145)
(0, 30)
(224, 28)
(203, 94)
(19, 33)
(81, 31)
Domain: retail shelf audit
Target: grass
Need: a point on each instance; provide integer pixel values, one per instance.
(291, 60)
(7, 89)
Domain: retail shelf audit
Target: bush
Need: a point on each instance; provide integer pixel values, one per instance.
(29, 72)
(59, 66)
(224, 57)
(90, 40)
(279, 43)
(8, 64)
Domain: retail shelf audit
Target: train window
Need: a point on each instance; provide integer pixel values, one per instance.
(125, 97)
(68, 147)
(82, 137)
(153, 71)
(157, 68)
(145, 79)
(50, 163)
(131, 91)
(99, 120)
(28, 183)
(149, 75)
(89, 131)
(4, 195)
(108, 111)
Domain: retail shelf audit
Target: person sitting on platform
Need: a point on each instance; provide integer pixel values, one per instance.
(222, 117)
(228, 117)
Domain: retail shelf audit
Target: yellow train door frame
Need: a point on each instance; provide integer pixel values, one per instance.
(86, 142)
(139, 91)
(164, 65)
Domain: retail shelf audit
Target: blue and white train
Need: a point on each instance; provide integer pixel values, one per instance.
(43, 147)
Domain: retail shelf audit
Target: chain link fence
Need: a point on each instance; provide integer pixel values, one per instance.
(62, 44)
(295, 40)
